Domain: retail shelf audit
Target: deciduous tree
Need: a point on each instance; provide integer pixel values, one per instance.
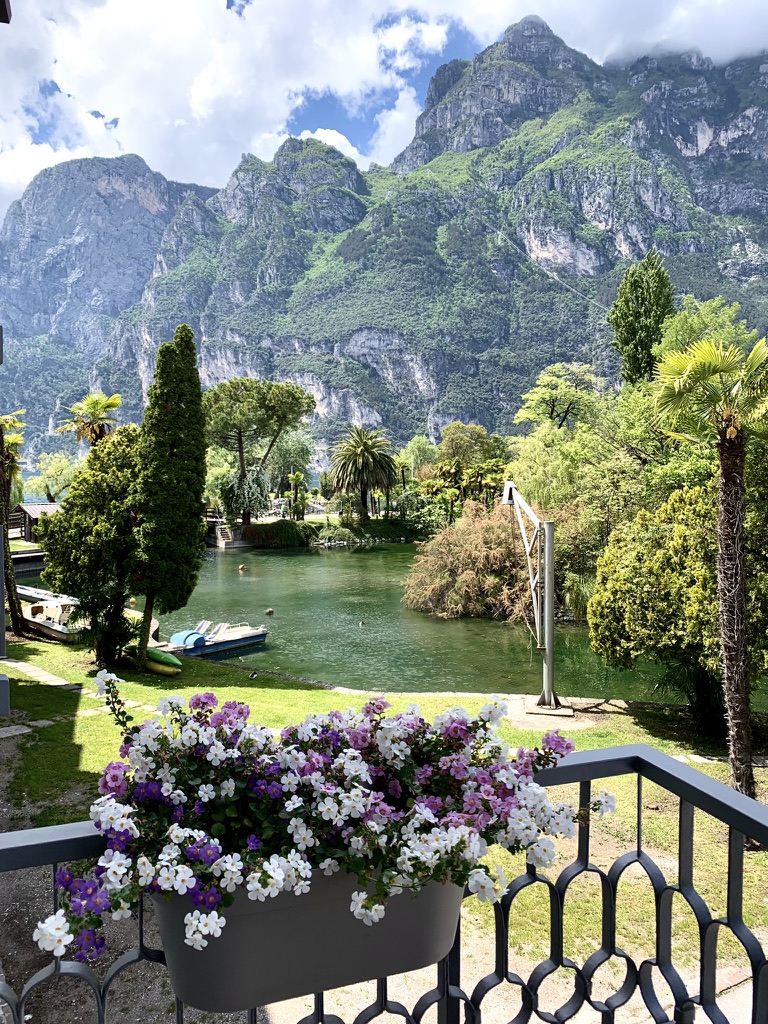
(56, 470)
(90, 544)
(245, 414)
(11, 438)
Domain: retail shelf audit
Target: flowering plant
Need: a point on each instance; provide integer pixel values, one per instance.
(205, 803)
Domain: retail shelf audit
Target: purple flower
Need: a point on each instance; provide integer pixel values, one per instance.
(84, 888)
(275, 790)
(89, 944)
(202, 701)
(64, 878)
(559, 745)
(253, 843)
(98, 902)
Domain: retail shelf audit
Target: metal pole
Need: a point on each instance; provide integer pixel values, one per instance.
(548, 697)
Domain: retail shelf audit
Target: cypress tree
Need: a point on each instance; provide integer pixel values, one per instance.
(644, 300)
(170, 485)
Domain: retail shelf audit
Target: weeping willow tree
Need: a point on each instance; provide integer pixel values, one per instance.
(246, 492)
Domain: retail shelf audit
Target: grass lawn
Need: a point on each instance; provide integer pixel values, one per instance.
(55, 781)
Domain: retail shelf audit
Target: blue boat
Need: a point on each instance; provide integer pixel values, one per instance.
(221, 640)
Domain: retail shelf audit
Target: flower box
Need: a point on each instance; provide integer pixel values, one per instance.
(325, 830)
(292, 946)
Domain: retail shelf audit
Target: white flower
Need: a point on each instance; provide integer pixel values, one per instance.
(329, 866)
(206, 793)
(146, 870)
(228, 788)
(117, 865)
(197, 925)
(301, 834)
(166, 705)
(230, 870)
(481, 883)
(294, 804)
(120, 912)
(102, 678)
(53, 935)
(184, 880)
(604, 803)
(541, 853)
(166, 877)
(216, 753)
(368, 915)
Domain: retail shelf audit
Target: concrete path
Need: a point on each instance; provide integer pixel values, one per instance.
(49, 679)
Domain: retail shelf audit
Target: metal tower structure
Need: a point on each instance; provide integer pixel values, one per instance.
(539, 542)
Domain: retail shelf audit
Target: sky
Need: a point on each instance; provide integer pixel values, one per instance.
(191, 85)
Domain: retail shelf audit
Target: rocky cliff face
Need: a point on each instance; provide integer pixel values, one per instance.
(410, 296)
(79, 245)
(472, 104)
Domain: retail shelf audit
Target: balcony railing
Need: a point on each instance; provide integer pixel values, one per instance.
(680, 1003)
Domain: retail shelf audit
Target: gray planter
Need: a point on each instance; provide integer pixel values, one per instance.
(295, 945)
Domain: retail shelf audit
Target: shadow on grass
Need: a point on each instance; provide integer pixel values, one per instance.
(48, 786)
(677, 724)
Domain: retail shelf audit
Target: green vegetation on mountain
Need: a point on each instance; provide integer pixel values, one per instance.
(407, 297)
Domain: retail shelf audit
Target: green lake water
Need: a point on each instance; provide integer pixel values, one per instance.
(320, 598)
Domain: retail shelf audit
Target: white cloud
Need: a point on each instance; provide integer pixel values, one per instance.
(394, 128)
(333, 138)
(193, 85)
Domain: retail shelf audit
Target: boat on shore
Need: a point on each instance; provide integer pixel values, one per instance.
(220, 641)
(49, 615)
(50, 618)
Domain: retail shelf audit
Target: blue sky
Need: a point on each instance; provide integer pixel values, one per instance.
(191, 85)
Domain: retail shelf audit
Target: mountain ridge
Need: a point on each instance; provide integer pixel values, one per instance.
(407, 296)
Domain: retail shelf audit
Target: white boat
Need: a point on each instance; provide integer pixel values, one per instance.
(51, 617)
(222, 639)
(50, 614)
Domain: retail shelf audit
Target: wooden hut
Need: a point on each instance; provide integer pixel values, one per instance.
(30, 516)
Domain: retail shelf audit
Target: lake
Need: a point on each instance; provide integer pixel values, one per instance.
(338, 618)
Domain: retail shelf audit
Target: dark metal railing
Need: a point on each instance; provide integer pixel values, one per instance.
(694, 790)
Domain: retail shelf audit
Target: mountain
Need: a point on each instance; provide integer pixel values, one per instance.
(412, 295)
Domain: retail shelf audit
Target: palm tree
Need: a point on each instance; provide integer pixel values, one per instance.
(714, 391)
(11, 440)
(91, 418)
(363, 461)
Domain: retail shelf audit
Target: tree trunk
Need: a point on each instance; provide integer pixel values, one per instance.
(11, 594)
(363, 504)
(246, 512)
(732, 595)
(146, 626)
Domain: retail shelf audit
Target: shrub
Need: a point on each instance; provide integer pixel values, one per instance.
(473, 567)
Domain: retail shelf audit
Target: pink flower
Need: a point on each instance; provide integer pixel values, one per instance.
(113, 779)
